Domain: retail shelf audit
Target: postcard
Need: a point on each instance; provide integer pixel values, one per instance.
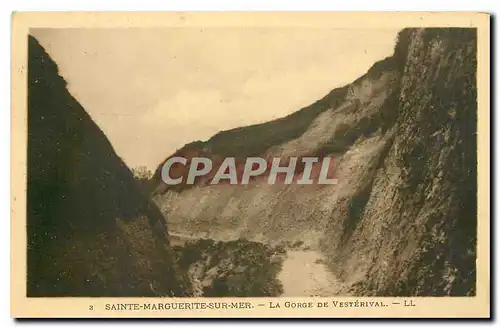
(250, 165)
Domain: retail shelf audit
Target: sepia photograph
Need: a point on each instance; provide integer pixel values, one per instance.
(197, 167)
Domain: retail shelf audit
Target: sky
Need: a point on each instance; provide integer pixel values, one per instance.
(152, 90)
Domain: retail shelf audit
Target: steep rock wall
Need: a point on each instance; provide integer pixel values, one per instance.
(90, 230)
(417, 233)
(402, 218)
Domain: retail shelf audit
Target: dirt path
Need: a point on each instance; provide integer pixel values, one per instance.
(302, 275)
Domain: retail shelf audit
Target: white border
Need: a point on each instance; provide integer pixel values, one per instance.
(172, 5)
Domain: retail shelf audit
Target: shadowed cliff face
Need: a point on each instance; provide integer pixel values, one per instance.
(90, 230)
(402, 218)
(417, 233)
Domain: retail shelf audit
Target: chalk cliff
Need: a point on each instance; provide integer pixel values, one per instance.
(402, 218)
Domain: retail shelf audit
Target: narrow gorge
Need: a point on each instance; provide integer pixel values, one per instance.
(401, 221)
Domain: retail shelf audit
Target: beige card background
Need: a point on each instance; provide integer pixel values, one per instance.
(23, 307)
